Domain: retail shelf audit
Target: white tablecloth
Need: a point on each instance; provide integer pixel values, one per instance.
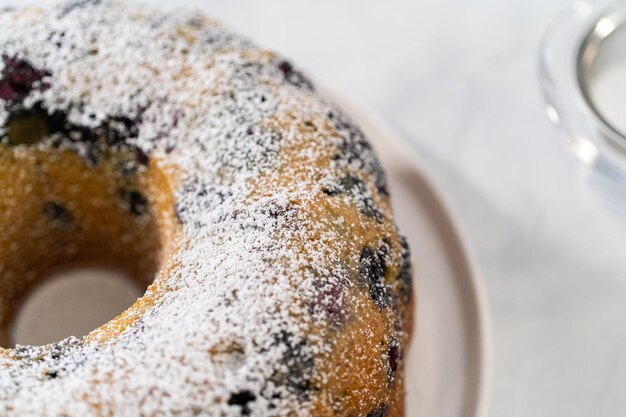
(459, 77)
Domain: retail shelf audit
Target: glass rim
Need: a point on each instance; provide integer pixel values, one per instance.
(567, 51)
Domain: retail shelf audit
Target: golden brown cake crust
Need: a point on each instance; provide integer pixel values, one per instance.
(167, 145)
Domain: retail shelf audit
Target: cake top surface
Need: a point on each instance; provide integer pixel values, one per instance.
(253, 295)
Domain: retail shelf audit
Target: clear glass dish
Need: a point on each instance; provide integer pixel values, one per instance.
(583, 78)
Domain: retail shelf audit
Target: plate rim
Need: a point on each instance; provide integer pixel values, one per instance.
(475, 282)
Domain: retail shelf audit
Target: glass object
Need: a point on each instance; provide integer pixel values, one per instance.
(583, 77)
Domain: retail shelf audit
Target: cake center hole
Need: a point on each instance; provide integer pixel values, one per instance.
(62, 210)
(73, 302)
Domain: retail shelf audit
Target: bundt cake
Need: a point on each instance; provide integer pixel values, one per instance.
(251, 208)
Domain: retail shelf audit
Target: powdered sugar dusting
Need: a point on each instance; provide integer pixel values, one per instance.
(253, 294)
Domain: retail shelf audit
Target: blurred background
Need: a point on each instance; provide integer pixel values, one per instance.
(459, 78)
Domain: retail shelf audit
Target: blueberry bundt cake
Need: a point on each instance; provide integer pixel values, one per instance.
(254, 212)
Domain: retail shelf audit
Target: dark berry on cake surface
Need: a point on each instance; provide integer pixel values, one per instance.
(57, 213)
(294, 77)
(141, 157)
(331, 298)
(357, 189)
(76, 5)
(405, 277)
(276, 209)
(134, 201)
(381, 411)
(116, 130)
(19, 78)
(294, 373)
(50, 374)
(354, 149)
(372, 270)
(242, 399)
(394, 358)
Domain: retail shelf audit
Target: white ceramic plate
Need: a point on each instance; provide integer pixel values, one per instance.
(450, 357)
